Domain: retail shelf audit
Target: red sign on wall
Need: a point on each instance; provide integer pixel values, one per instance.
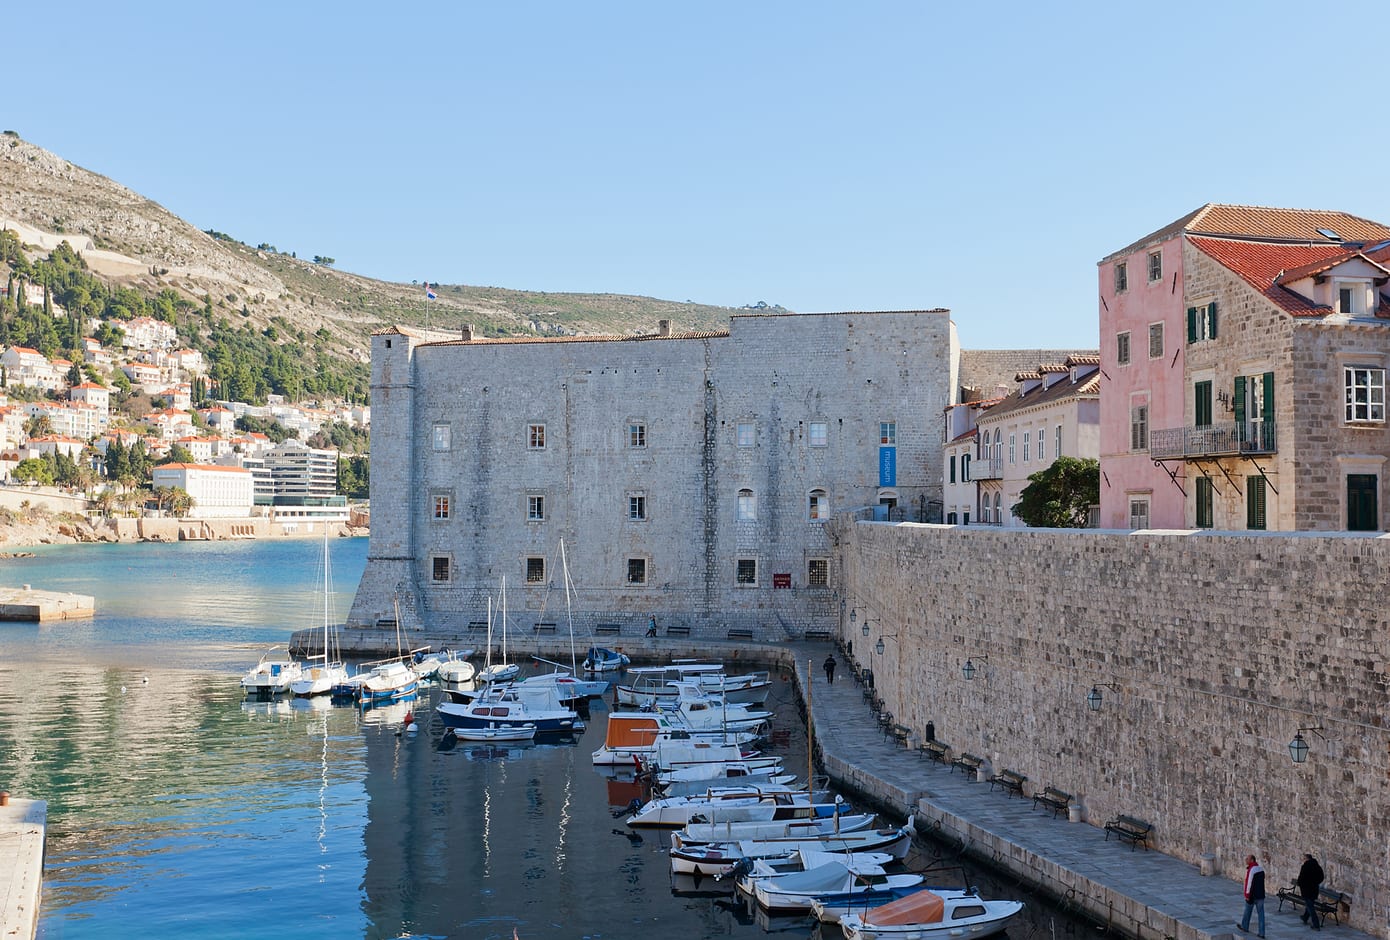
(781, 580)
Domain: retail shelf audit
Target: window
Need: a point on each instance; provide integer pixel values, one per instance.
(819, 505)
(1042, 443)
(745, 434)
(1362, 512)
(1155, 266)
(747, 506)
(951, 518)
(1027, 445)
(1057, 445)
(1201, 404)
(965, 517)
(984, 509)
(441, 436)
(1255, 502)
(965, 468)
(1365, 393)
(1139, 427)
(952, 466)
(1201, 322)
(1204, 503)
(535, 570)
(636, 434)
(746, 573)
(1138, 513)
(1122, 348)
(998, 518)
(1011, 450)
(1121, 277)
(818, 433)
(818, 572)
(888, 432)
(535, 436)
(1254, 408)
(1155, 340)
(637, 508)
(535, 508)
(441, 506)
(998, 447)
(637, 571)
(439, 568)
(1351, 297)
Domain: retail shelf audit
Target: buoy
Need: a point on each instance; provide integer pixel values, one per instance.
(123, 690)
(144, 680)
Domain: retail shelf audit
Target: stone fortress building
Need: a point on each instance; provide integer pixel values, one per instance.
(689, 476)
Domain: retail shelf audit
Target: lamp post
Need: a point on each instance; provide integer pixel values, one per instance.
(1093, 697)
(879, 647)
(1298, 747)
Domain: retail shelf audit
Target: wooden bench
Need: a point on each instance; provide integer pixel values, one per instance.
(608, 629)
(1328, 904)
(740, 633)
(1059, 801)
(936, 750)
(900, 734)
(1129, 829)
(1011, 781)
(545, 628)
(968, 763)
(476, 626)
(678, 631)
(816, 635)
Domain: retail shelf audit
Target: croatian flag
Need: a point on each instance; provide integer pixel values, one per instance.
(429, 291)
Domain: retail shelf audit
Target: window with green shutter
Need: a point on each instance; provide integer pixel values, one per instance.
(1204, 503)
(1201, 322)
(1255, 502)
(1201, 404)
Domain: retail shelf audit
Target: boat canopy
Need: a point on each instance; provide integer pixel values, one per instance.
(920, 907)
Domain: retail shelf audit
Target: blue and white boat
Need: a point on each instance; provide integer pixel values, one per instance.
(387, 682)
(504, 708)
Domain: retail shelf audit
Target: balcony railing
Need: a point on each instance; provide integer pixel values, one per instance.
(987, 468)
(1214, 440)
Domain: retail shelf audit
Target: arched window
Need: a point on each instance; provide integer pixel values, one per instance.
(747, 506)
(818, 505)
(998, 518)
(984, 510)
(998, 445)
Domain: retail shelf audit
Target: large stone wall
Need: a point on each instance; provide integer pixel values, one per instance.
(1210, 651)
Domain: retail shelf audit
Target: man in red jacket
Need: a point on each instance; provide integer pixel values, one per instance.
(1254, 894)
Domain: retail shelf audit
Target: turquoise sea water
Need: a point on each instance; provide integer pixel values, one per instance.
(177, 809)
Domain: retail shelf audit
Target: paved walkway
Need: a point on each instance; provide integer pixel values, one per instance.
(1139, 892)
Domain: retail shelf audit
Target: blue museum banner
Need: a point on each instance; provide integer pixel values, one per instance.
(887, 466)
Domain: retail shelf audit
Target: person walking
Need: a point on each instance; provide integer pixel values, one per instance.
(830, 668)
(1254, 895)
(651, 626)
(1309, 883)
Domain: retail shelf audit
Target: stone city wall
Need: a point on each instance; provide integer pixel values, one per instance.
(1210, 652)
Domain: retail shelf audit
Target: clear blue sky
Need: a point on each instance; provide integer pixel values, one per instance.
(824, 156)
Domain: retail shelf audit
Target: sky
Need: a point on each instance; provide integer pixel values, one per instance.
(820, 156)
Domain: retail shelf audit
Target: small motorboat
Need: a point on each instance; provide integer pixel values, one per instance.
(720, 858)
(835, 879)
(524, 732)
(387, 682)
(270, 677)
(431, 665)
(777, 829)
(929, 914)
(602, 659)
(735, 804)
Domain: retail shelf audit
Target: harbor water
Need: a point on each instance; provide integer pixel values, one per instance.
(177, 809)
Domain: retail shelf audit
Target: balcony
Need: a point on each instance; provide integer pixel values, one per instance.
(1243, 439)
(986, 468)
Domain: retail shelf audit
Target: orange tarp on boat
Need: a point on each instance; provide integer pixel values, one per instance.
(921, 907)
(631, 732)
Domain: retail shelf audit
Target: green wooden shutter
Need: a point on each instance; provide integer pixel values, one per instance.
(1254, 502)
(1211, 317)
(1240, 403)
(1192, 324)
(1267, 417)
(1201, 404)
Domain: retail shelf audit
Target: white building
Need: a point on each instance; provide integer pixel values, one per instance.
(218, 492)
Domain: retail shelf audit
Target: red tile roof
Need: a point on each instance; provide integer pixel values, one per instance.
(1263, 222)
(1260, 264)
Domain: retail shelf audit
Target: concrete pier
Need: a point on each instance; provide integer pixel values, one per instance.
(28, 604)
(23, 829)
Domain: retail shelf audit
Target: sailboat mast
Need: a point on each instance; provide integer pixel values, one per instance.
(488, 665)
(569, 612)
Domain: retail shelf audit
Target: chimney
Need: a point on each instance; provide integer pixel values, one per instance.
(663, 327)
(467, 332)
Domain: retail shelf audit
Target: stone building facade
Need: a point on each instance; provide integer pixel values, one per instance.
(690, 476)
(1209, 653)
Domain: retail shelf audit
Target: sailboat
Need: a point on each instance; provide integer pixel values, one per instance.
(503, 671)
(320, 678)
(569, 686)
(391, 680)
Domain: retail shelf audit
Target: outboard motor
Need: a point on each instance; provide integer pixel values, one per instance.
(742, 867)
(631, 809)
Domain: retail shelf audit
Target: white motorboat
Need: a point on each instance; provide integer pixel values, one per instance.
(719, 858)
(929, 914)
(457, 670)
(796, 892)
(695, 787)
(777, 829)
(717, 770)
(322, 672)
(635, 736)
(522, 732)
(387, 682)
(429, 665)
(270, 677)
(506, 709)
(733, 804)
(749, 870)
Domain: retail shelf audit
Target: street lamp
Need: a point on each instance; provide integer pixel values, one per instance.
(1093, 697)
(879, 647)
(1298, 747)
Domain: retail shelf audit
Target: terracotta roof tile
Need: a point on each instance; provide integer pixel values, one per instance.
(1080, 360)
(1263, 222)
(1260, 264)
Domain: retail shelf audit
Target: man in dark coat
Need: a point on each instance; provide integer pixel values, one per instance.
(1309, 882)
(830, 668)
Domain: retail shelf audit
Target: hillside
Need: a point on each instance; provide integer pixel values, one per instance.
(131, 241)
